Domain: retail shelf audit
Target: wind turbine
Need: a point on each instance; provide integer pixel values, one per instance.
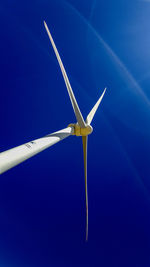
(14, 156)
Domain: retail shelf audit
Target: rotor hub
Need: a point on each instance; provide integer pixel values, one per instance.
(79, 131)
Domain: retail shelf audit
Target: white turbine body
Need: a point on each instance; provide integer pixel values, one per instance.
(14, 156)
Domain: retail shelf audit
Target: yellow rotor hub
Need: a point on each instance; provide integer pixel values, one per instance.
(78, 131)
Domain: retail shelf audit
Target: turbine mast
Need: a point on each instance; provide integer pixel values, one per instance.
(15, 156)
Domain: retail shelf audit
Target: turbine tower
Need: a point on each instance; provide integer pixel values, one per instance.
(14, 156)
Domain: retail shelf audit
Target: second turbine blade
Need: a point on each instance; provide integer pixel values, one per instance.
(93, 111)
(84, 141)
(75, 106)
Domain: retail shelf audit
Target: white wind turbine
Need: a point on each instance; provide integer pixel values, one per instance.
(14, 156)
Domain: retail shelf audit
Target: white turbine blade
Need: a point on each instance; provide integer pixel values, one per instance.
(84, 141)
(75, 106)
(92, 112)
(14, 156)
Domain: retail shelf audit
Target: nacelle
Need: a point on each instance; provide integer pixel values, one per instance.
(78, 131)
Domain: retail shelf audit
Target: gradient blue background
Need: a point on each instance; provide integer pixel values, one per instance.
(42, 201)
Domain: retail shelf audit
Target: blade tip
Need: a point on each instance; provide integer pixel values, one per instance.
(104, 91)
(45, 24)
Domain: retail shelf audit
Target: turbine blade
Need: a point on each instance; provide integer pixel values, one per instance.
(93, 111)
(14, 156)
(84, 141)
(75, 106)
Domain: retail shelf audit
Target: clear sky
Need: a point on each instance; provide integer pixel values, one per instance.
(42, 201)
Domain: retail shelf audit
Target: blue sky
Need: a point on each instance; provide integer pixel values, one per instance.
(42, 201)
